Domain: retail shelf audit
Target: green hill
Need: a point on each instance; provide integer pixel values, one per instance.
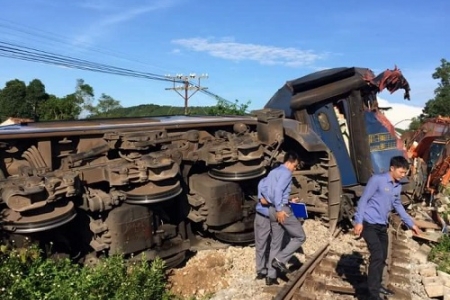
(155, 110)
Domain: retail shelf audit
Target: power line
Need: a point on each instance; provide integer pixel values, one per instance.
(21, 52)
(16, 51)
(35, 34)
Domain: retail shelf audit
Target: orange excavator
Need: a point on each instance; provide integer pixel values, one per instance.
(427, 148)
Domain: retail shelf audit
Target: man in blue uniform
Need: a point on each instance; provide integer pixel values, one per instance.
(282, 218)
(381, 195)
(262, 231)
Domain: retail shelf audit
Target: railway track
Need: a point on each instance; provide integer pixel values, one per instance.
(335, 272)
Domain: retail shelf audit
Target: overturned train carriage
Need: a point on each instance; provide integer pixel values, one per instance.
(340, 105)
(146, 185)
(137, 185)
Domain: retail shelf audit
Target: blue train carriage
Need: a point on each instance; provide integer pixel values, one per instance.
(340, 106)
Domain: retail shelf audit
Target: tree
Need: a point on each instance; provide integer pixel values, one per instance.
(440, 105)
(70, 106)
(12, 100)
(84, 93)
(105, 105)
(66, 108)
(226, 108)
(415, 123)
(35, 96)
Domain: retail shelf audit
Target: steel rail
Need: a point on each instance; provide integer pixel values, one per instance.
(290, 288)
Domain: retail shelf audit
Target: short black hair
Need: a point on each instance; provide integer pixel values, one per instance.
(290, 156)
(399, 162)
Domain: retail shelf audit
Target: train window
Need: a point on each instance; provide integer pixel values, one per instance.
(323, 121)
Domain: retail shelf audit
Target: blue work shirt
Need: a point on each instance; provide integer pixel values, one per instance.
(262, 189)
(277, 187)
(381, 194)
(264, 210)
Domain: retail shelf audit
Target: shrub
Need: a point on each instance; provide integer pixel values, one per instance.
(24, 274)
(439, 254)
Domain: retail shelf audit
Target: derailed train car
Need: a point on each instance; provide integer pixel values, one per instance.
(340, 106)
(140, 185)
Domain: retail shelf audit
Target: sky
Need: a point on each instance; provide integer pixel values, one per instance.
(249, 49)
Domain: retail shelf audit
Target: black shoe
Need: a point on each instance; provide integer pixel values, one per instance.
(260, 276)
(271, 281)
(279, 266)
(386, 291)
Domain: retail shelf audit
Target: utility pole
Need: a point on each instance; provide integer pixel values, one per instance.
(186, 86)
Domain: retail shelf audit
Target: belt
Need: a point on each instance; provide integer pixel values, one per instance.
(282, 204)
(376, 224)
(262, 215)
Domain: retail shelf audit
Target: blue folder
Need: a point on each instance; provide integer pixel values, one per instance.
(299, 210)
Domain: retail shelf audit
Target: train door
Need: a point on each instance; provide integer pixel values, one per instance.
(324, 122)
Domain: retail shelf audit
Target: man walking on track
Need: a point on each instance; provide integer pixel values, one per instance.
(380, 196)
(281, 217)
(262, 231)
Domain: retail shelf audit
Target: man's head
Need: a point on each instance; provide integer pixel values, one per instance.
(291, 160)
(398, 167)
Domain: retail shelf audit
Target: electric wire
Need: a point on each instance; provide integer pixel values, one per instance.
(16, 51)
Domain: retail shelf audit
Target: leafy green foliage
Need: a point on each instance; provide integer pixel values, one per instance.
(84, 93)
(32, 101)
(66, 108)
(415, 123)
(105, 106)
(144, 110)
(12, 100)
(25, 275)
(226, 108)
(35, 96)
(439, 254)
(440, 104)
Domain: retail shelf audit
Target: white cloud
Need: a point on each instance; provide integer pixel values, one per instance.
(401, 113)
(227, 48)
(102, 26)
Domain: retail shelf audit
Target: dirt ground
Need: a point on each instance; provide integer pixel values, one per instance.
(203, 275)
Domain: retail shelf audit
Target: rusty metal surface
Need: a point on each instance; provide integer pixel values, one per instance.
(82, 127)
(129, 229)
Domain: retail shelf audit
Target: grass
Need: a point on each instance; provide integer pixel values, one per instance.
(440, 254)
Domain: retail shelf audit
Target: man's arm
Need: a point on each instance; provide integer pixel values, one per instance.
(262, 192)
(261, 185)
(282, 182)
(402, 212)
(369, 191)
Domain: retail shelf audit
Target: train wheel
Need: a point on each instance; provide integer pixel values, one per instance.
(237, 172)
(153, 193)
(48, 217)
(175, 260)
(236, 237)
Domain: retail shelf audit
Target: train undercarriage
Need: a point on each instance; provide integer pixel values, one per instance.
(144, 185)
